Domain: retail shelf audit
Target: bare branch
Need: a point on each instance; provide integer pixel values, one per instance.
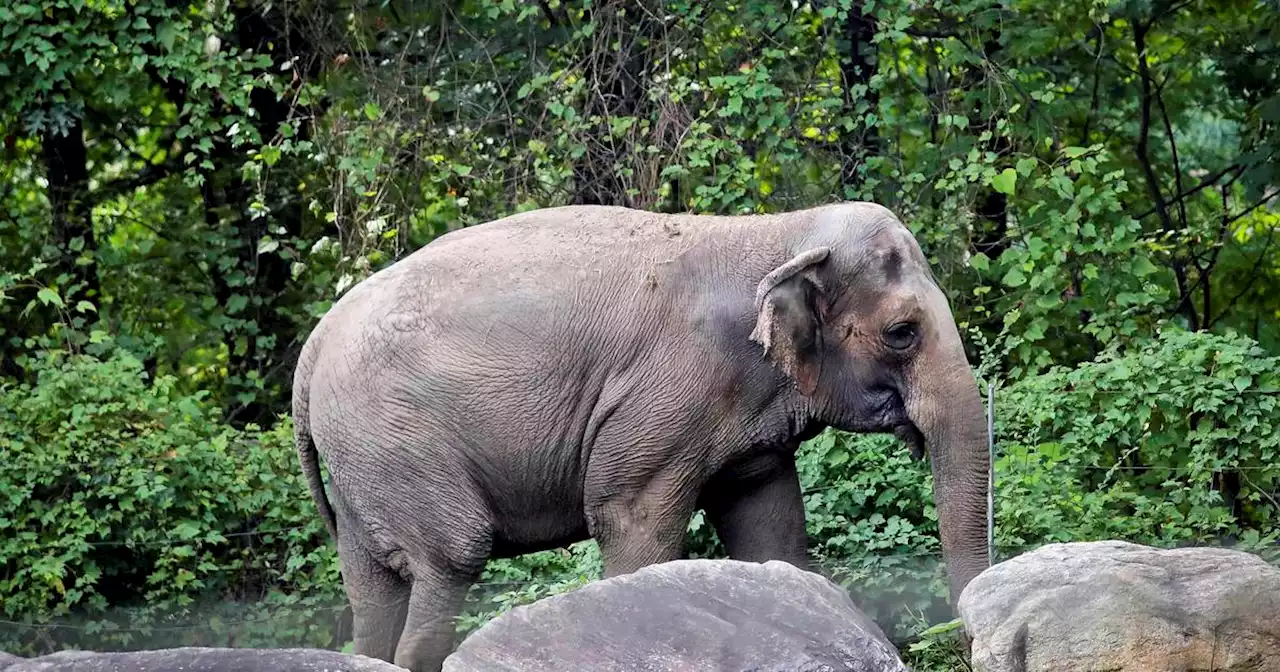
(1094, 101)
(1261, 202)
(1203, 184)
(1153, 183)
(1169, 9)
(1173, 149)
(1144, 129)
(1253, 275)
(931, 34)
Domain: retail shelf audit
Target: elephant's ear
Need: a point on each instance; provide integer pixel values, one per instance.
(788, 318)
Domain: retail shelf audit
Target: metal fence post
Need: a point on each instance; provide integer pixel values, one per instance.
(991, 473)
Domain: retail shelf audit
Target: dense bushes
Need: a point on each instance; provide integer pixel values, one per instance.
(119, 492)
(1175, 442)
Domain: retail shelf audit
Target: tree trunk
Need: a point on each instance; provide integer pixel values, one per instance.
(615, 88)
(66, 165)
(260, 347)
(858, 62)
(992, 207)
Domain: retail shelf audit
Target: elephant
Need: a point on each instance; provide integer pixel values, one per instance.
(600, 372)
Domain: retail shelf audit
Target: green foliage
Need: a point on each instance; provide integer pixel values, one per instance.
(1174, 442)
(187, 186)
(139, 137)
(509, 583)
(936, 647)
(249, 164)
(872, 524)
(1076, 239)
(122, 492)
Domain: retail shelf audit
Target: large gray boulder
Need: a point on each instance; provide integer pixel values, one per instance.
(686, 615)
(1113, 605)
(199, 659)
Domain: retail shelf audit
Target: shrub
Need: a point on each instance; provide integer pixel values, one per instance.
(1175, 442)
(119, 492)
(873, 526)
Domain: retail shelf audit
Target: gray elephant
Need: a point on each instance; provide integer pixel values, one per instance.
(602, 372)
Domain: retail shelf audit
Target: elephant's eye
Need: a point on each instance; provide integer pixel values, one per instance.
(900, 335)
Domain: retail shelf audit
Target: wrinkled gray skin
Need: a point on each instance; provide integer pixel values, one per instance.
(602, 372)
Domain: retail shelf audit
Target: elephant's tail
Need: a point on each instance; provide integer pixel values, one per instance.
(307, 455)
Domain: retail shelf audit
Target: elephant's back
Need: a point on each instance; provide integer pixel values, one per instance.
(545, 298)
(552, 247)
(543, 273)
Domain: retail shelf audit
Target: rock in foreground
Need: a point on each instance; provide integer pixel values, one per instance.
(686, 615)
(198, 659)
(1113, 605)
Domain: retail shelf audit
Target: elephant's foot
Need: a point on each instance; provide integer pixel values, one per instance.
(379, 600)
(428, 635)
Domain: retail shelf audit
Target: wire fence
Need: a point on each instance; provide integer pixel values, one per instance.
(184, 541)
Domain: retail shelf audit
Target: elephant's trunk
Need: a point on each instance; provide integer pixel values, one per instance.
(949, 414)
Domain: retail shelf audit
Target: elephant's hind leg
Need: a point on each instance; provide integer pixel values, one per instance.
(435, 601)
(379, 600)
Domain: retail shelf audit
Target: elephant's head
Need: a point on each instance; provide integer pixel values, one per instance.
(857, 321)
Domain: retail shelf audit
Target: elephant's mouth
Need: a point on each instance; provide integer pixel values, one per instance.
(910, 435)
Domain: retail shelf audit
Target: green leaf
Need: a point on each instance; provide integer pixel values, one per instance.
(167, 33)
(186, 530)
(86, 307)
(1014, 278)
(1048, 301)
(1142, 266)
(1025, 166)
(980, 262)
(371, 110)
(1075, 152)
(943, 628)
(267, 245)
(1005, 181)
(49, 297)
(237, 303)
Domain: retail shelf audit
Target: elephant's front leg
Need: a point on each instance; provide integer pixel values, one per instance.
(757, 510)
(639, 523)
